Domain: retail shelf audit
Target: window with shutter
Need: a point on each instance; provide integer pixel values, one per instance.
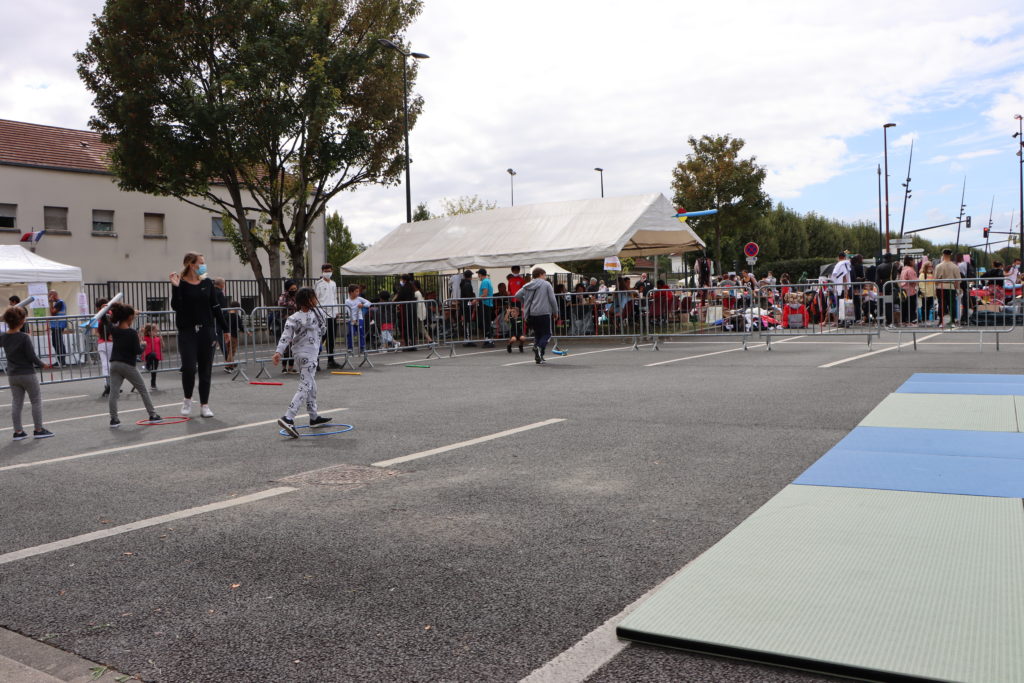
(154, 225)
(8, 215)
(55, 218)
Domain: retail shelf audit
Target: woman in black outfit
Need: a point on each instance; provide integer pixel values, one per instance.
(194, 300)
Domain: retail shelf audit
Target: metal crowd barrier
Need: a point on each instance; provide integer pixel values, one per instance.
(593, 315)
(470, 322)
(965, 306)
(68, 353)
(685, 312)
(818, 308)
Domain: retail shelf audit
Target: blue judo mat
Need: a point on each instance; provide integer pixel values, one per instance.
(944, 383)
(926, 460)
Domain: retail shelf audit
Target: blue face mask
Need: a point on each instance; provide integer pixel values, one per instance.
(201, 270)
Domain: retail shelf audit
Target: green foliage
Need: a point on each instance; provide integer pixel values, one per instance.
(422, 213)
(466, 204)
(285, 102)
(258, 233)
(340, 247)
(713, 176)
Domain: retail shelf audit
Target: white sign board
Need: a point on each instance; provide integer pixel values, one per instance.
(41, 306)
(751, 260)
(677, 264)
(911, 251)
(900, 243)
(611, 263)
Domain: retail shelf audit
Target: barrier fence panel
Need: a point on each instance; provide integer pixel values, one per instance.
(685, 312)
(968, 305)
(472, 322)
(68, 351)
(595, 315)
(819, 308)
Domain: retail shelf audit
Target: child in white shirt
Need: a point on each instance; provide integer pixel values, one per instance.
(357, 307)
(303, 331)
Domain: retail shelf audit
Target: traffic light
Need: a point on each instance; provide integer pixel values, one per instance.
(984, 233)
(968, 221)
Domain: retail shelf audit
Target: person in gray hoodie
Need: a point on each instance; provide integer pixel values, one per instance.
(302, 332)
(539, 308)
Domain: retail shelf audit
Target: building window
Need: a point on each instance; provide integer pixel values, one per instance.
(217, 227)
(8, 215)
(55, 218)
(154, 225)
(102, 221)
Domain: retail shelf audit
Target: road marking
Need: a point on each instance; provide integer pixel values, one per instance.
(583, 353)
(147, 444)
(591, 652)
(59, 398)
(141, 524)
(86, 417)
(872, 353)
(715, 353)
(458, 355)
(471, 442)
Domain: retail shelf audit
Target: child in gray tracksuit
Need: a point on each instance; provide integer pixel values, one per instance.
(303, 331)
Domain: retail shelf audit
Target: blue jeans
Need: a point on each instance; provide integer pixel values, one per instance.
(362, 335)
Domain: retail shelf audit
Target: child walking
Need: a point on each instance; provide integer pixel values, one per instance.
(22, 363)
(357, 308)
(154, 350)
(235, 327)
(122, 361)
(302, 332)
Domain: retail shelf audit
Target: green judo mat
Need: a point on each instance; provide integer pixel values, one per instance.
(872, 584)
(948, 411)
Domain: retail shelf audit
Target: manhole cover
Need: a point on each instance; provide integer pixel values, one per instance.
(341, 476)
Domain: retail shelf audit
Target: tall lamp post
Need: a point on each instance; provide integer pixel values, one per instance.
(511, 186)
(881, 244)
(601, 171)
(405, 100)
(885, 155)
(1019, 135)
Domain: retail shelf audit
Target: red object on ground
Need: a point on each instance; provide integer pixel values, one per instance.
(164, 421)
(269, 384)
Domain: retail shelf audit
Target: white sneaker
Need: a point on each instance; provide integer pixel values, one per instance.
(186, 407)
(206, 412)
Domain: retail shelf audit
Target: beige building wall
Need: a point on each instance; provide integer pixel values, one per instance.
(127, 254)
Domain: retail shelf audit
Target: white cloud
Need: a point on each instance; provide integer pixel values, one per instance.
(942, 158)
(905, 140)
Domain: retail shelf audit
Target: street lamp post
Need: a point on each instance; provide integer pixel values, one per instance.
(601, 171)
(1019, 135)
(881, 244)
(885, 154)
(511, 186)
(906, 189)
(405, 105)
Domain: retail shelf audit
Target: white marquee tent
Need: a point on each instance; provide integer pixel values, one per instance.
(20, 267)
(639, 225)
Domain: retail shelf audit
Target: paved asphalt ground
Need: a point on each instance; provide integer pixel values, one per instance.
(481, 563)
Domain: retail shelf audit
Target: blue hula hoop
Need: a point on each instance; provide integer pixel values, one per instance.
(319, 432)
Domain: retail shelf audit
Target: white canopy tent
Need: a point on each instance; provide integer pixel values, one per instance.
(19, 267)
(639, 225)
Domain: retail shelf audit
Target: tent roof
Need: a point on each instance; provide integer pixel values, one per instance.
(639, 225)
(18, 264)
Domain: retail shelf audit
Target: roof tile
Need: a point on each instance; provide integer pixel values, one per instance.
(31, 144)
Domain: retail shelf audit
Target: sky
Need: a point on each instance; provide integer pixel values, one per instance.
(555, 89)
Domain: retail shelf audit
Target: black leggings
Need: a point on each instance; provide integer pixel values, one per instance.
(196, 349)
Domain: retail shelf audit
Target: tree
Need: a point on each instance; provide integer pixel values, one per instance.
(466, 204)
(286, 103)
(422, 213)
(340, 247)
(714, 177)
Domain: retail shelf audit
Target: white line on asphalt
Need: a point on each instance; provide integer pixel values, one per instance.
(582, 353)
(141, 524)
(147, 444)
(872, 353)
(471, 442)
(86, 417)
(715, 353)
(59, 398)
(458, 355)
(593, 651)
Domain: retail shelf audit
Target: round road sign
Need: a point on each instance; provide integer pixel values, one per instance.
(751, 249)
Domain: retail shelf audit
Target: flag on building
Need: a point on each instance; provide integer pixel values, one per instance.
(32, 236)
